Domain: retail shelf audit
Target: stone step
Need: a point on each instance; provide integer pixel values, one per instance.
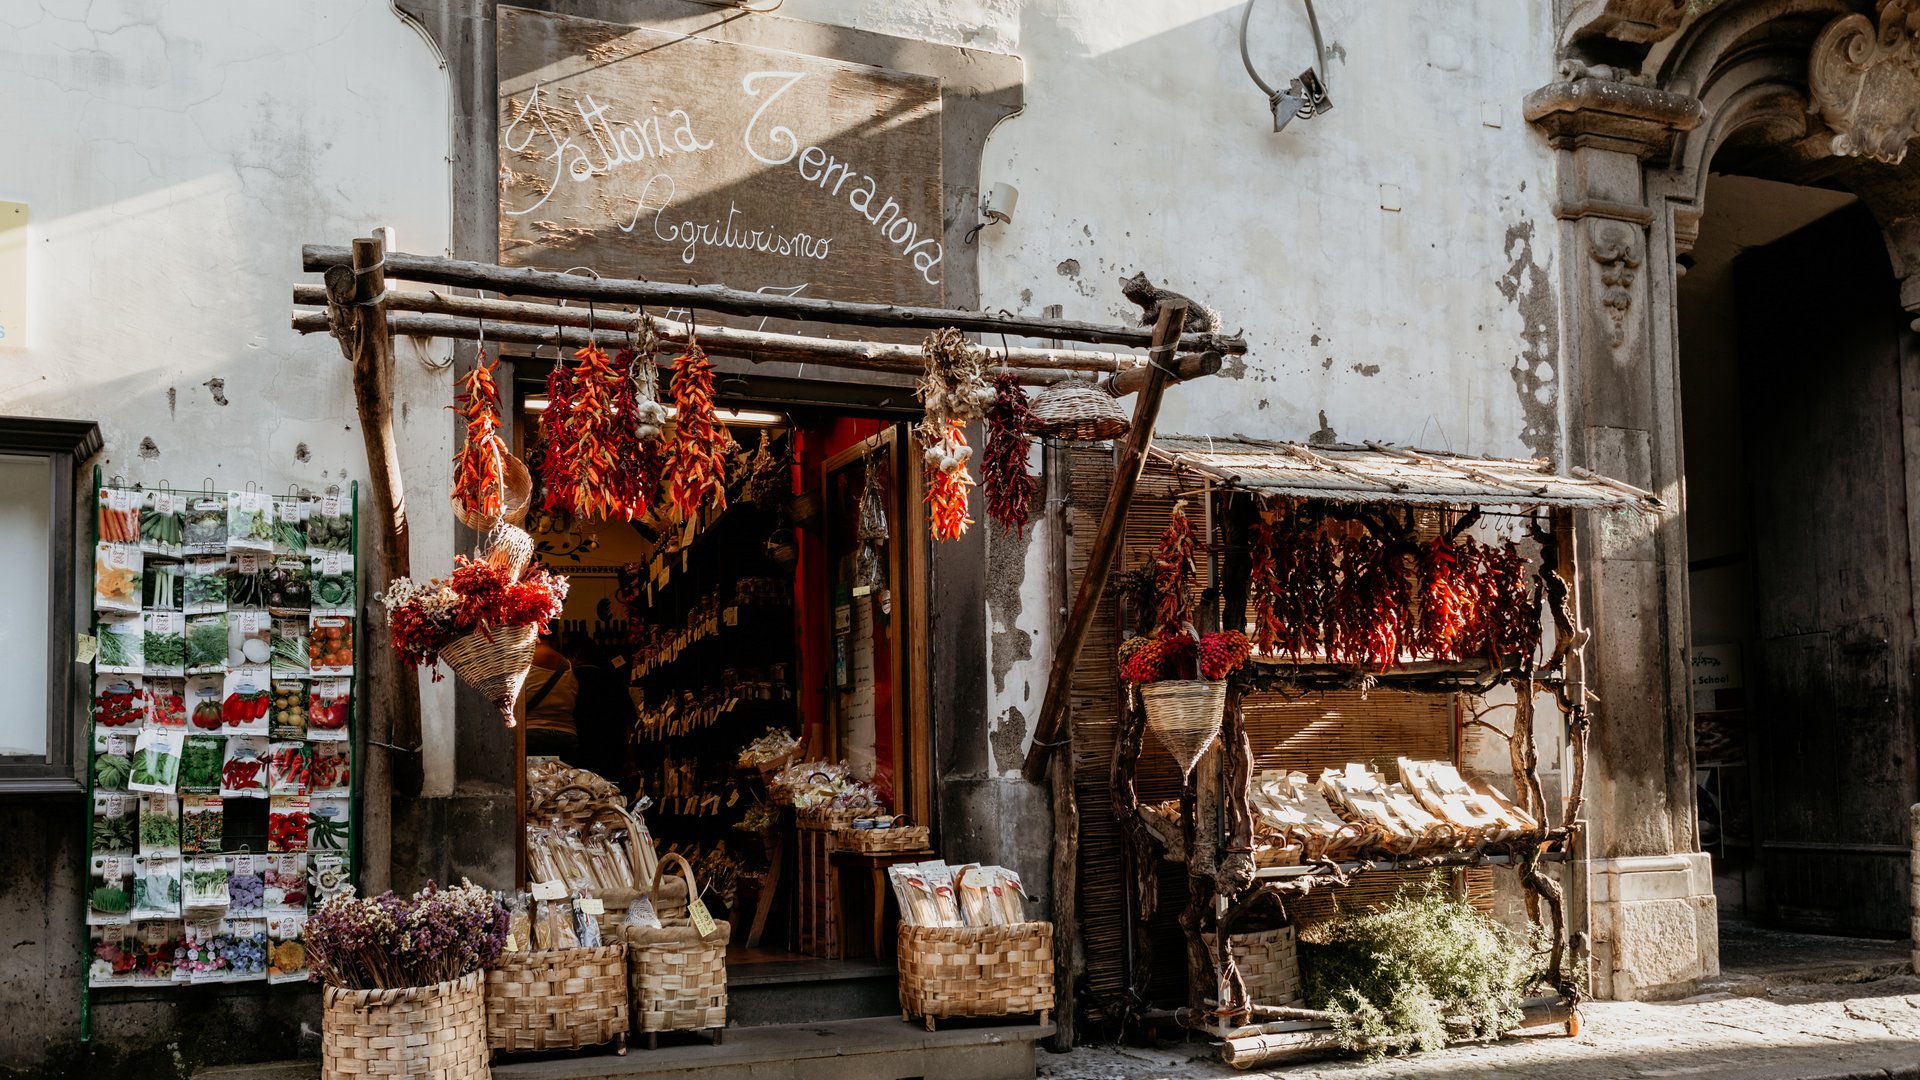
(810, 991)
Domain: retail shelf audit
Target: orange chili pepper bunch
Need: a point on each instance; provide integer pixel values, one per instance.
(697, 467)
(481, 459)
(1447, 602)
(1173, 567)
(581, 420)
(947, 479)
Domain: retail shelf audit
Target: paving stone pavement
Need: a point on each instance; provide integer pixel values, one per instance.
(1754, 1029)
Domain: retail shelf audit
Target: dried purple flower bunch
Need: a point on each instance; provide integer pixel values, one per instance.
(387, 942)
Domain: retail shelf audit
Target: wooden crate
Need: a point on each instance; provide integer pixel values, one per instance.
(818, 893)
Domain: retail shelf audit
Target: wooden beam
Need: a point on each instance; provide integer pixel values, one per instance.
(1133, 458)
(526, 281)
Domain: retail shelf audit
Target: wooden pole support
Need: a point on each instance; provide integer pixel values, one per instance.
(1133, 458)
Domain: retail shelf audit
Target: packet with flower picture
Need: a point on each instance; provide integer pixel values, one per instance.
(204, 885)
(246, 884)
(117, 702)
(327, 828)
(287, 771)
(206, 523)
(290, 524)
(163, 523)
(202, 825)
(112, 759)
(163, 703)
(119, 515)
(247, 701)
(289, 645)
(121, 647)
(249, 639)
(203, 585)
(207, 644)
(250, 522)
(330, 769)
(204, 948)
(163, 648)
(110, 890)
(243, 775)
(330, 644)
(289, 818)
(329, 702)
(116, 817)
(287, 718)
(116, 577)
(332, 586)
(156, 886)
(110, 956)
(156, 946)
(285, 878)
(204, 694)
(329, 878)
(330, 524)
(246, 950)
(159, 824)
(287, 949)
(161, 586)
(156, 760)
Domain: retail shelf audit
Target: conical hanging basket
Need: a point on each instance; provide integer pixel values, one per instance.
(495, 661)
(516, 485)
(1185, 714)
(1078, 412)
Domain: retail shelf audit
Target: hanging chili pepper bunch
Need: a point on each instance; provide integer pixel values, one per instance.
(1174, 573)
(582, 422)
(1173, 651)
(1294, 570)
(1506, 610)
(952, 391)
(697, 468)
(1009, 489)
(479, 465)
(633, 440)
(948, 481)
(1368, 618)
(1447, 601)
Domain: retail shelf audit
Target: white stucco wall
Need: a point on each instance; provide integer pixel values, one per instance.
(174, 157)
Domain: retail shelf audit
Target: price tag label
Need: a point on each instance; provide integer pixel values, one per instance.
(697, 911)
(549, 890)
(84, 649)
(590, 905)
(641, 913)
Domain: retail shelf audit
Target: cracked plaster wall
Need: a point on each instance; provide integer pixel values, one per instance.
(174, 157)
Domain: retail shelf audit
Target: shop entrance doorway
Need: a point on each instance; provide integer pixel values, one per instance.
(1797, 378)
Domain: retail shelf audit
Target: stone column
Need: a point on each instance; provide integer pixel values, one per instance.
(1913, 893)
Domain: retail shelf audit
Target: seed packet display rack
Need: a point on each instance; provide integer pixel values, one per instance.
(241, 714)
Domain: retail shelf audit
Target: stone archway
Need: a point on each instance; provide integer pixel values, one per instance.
(1651, 96)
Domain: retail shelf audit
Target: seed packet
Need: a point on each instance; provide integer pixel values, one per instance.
(163, 524)
(287, 772)
(247, 580)
(287, 949)
(203, 585)
(164, 703)
(159, 824)
(116, 577)
(109, 890)
(288, 820)
(287, 715)
(204, 885)
(246, 884)
(244, 773)
(202, 827)
(329, 703)
(156, 762)
(330, 768)
(246, 950)
(290, 525)
(156, 947)
(110, 957)
(285, 878)
(204, 950)
(289, 645)
(200, 761)
(289, 584)
(121, 645)
(206, 532)
(329, 877)
(163, 648)
(204, 695)
(119, 518)
(330, 644)
(330, 524)
(112, 759)
(327, 829)
(116, 701)
(161, 585)
(116, 816)
(249, 639)
(249, 521)
(156, 886)
(207, 644)
(248, 700)
(331, 585)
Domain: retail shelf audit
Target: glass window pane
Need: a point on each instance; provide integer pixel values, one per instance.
(26, 536)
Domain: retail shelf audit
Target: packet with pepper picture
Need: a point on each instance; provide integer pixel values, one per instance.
(329, 769)
(287, 772)
(248, 700)
(288, 818)
(244, 773)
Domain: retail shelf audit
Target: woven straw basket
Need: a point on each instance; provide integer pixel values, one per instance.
(892, 841)
(495, 662)
(678, 978)
(976, 971)
(558, 999)
(840, 818)
(1185, 714)
(516, 492)
(1077, 411)
(1268, 962)
(434, 1032)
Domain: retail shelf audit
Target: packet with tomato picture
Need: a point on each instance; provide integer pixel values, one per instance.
(204, 694)
(288, 819)
(243, 775)
(248, 700)
(164, 703)
(329, 769)
(330, 644)
(287, 772)
(329, 703)
(116, 701)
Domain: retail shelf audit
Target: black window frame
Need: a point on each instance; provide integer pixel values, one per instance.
(67, 445)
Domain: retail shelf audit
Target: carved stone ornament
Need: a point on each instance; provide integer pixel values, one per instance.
(1614, 247)
(1865, 82)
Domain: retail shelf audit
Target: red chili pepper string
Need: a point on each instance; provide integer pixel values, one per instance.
(1004, 473)
(557, 463)
(697, 467)
(1447, 602)
(481, 459)
(1174, 574)
(633, 476)
(947, 486)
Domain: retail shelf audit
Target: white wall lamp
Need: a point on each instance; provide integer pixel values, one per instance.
(1305, 97)
(996, 208)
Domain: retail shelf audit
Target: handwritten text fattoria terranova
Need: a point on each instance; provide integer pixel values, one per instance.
(617, 143)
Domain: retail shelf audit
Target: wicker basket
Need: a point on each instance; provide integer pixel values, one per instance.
(434, 1032)
(841, 818)
(976, 971)
(517, 485)
(900, 838)
(1185, 714)
(1077, 411)
(678, 978)
(1268, 962)
(495, 662)
(558, 999)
